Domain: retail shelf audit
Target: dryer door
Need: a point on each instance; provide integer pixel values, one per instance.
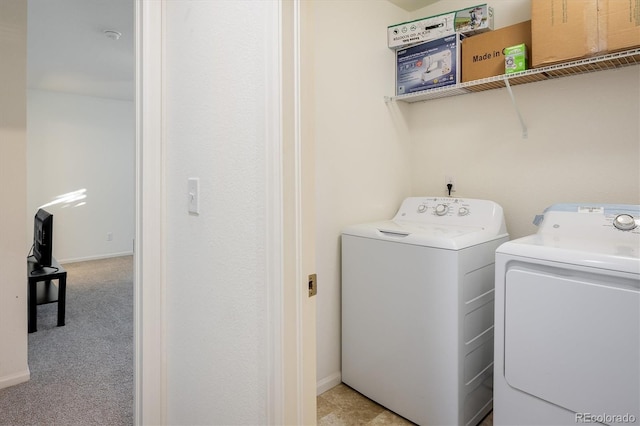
(573, 339)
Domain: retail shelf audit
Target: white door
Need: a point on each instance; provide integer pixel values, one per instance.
(292, 392)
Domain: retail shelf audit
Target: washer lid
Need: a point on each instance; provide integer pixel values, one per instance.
(451, 237)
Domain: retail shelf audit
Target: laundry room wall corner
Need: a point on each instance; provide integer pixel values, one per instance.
(362, 153)
(13, 189)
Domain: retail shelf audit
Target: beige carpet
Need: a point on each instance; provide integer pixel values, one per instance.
(82, 373)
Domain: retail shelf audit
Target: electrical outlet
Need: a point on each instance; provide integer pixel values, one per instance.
(448, 179)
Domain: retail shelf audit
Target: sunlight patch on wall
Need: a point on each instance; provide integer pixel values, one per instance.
(70, 199)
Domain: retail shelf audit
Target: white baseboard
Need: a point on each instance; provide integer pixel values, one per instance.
(99, 257)
(15, 379)
(327, 383)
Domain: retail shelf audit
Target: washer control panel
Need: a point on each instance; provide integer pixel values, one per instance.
(443, 207)
(450, 211)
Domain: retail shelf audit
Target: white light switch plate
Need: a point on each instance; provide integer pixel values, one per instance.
(193, 195)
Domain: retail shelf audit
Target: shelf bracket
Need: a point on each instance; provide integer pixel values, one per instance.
(515, 105)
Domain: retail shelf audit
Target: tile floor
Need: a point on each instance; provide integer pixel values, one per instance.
(343, 406)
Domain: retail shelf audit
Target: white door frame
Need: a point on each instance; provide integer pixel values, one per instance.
(149, 275)
(296, 329)
(291, 335)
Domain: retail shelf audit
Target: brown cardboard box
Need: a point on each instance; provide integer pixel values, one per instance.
(618, 25)
(482, 54)
(563, 30)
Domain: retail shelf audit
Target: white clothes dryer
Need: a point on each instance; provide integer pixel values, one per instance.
(567, 325)
(417, 309)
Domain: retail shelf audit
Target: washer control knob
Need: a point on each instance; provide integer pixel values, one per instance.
(442, 209)
(624, 222)
(463, 211)
(422, 208)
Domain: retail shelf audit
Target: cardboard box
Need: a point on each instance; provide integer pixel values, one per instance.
(482, 54)
(474, 20)
(563, 30)
(420, 30)
(435, 63)
(618, 25)
(515, 58)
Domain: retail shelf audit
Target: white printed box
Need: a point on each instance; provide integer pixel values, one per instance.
(428, 65)
(421, 30)
(474, 20)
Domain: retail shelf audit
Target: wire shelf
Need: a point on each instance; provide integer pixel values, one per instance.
(583, 66)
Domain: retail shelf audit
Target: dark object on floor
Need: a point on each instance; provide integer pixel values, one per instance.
(43, 291)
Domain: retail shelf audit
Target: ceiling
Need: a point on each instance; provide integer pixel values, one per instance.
(68, 51)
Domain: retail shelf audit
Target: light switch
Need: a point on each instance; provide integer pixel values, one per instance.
(193, 194)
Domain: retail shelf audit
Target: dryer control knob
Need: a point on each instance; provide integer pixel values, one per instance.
(463, 211)
(442, 209)
(624, 222)
(422, 208)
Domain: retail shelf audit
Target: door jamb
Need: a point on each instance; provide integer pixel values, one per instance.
(149, 378)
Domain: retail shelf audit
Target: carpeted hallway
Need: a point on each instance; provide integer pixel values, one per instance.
(82, 373)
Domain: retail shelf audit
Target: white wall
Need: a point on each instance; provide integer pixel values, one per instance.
(86, 144)
(583, 143)
(362, 147)
(216, 330)
(13, 189)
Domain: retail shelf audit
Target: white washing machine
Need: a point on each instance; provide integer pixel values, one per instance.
(417, 309)
(567, 343)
